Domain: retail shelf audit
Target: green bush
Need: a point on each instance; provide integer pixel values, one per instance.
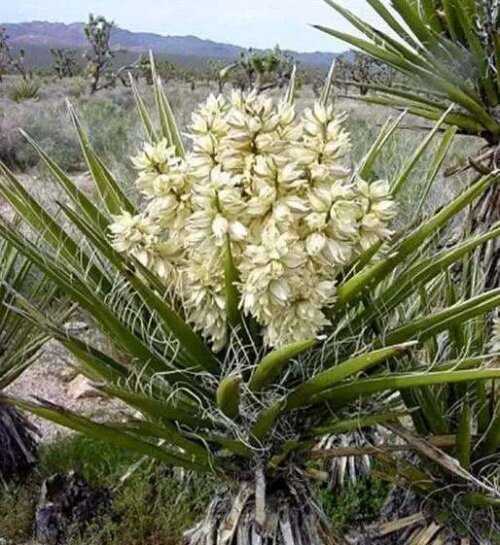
(358, 502)
(25, 90)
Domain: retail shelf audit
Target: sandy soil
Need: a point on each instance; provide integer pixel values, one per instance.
(50, 379)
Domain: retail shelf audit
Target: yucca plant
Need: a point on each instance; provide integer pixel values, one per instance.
(237, 349)
(19, 346)
(449, 54)
(449, 51)
(457, 493)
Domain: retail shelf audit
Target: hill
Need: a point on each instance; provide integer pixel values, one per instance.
(39, 36)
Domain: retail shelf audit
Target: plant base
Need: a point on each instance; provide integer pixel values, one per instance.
(18, 445)
(283, 513)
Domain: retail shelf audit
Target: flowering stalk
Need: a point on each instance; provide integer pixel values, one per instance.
(273, 186)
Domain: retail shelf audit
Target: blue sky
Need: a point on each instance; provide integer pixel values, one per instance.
(259, 23)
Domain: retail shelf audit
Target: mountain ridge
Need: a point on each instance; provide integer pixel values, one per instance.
(53, 34)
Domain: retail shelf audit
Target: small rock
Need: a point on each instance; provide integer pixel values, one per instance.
(75, 327)
(81, 388)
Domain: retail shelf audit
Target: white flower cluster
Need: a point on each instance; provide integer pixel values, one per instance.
(272, 186)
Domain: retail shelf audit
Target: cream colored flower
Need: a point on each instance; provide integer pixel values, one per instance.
(160, 170)
(378, 209)
(133, 234)
(273, 185)
(142, 238)
(205, 298)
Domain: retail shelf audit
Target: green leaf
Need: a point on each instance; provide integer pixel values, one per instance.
(428, 326)
(157, 408)
(270, 367)
(326, 379)
(346, 393)
(366, 166)
(435, 166)
(410, 164)
(328, 85)
(492, 439)
(170, 130)
(43, 223)
(266, 421)
(103, 432)
(109, 191)
(228, 396)
(467, 124)
(81, 201)
(392, 22)
(85, 295)
(143, 112)
(167, 432)
(464, 436)
(358, 423)
(481, 500)
(404, 286)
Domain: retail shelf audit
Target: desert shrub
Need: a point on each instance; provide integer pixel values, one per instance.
(139, 514)
(357, 503)
(46, 119)
(17, 505)
(25, 90)
(114, 128)
(110, 118)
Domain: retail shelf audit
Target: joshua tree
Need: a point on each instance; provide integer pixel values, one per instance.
(143, 69)
(218, 72)
(262, 70)
(168, 70)
(362, 72)
(9, 60)
(100, 57)
(366, 70)
(260, 297)
(19, 345)
(64, 62)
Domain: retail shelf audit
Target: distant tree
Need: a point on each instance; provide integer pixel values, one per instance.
(262, 70)
(9, 61)
(168, 70)
(143, 69)
(64, 62)
(100, 57)
(217, 71)
(362, 71)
